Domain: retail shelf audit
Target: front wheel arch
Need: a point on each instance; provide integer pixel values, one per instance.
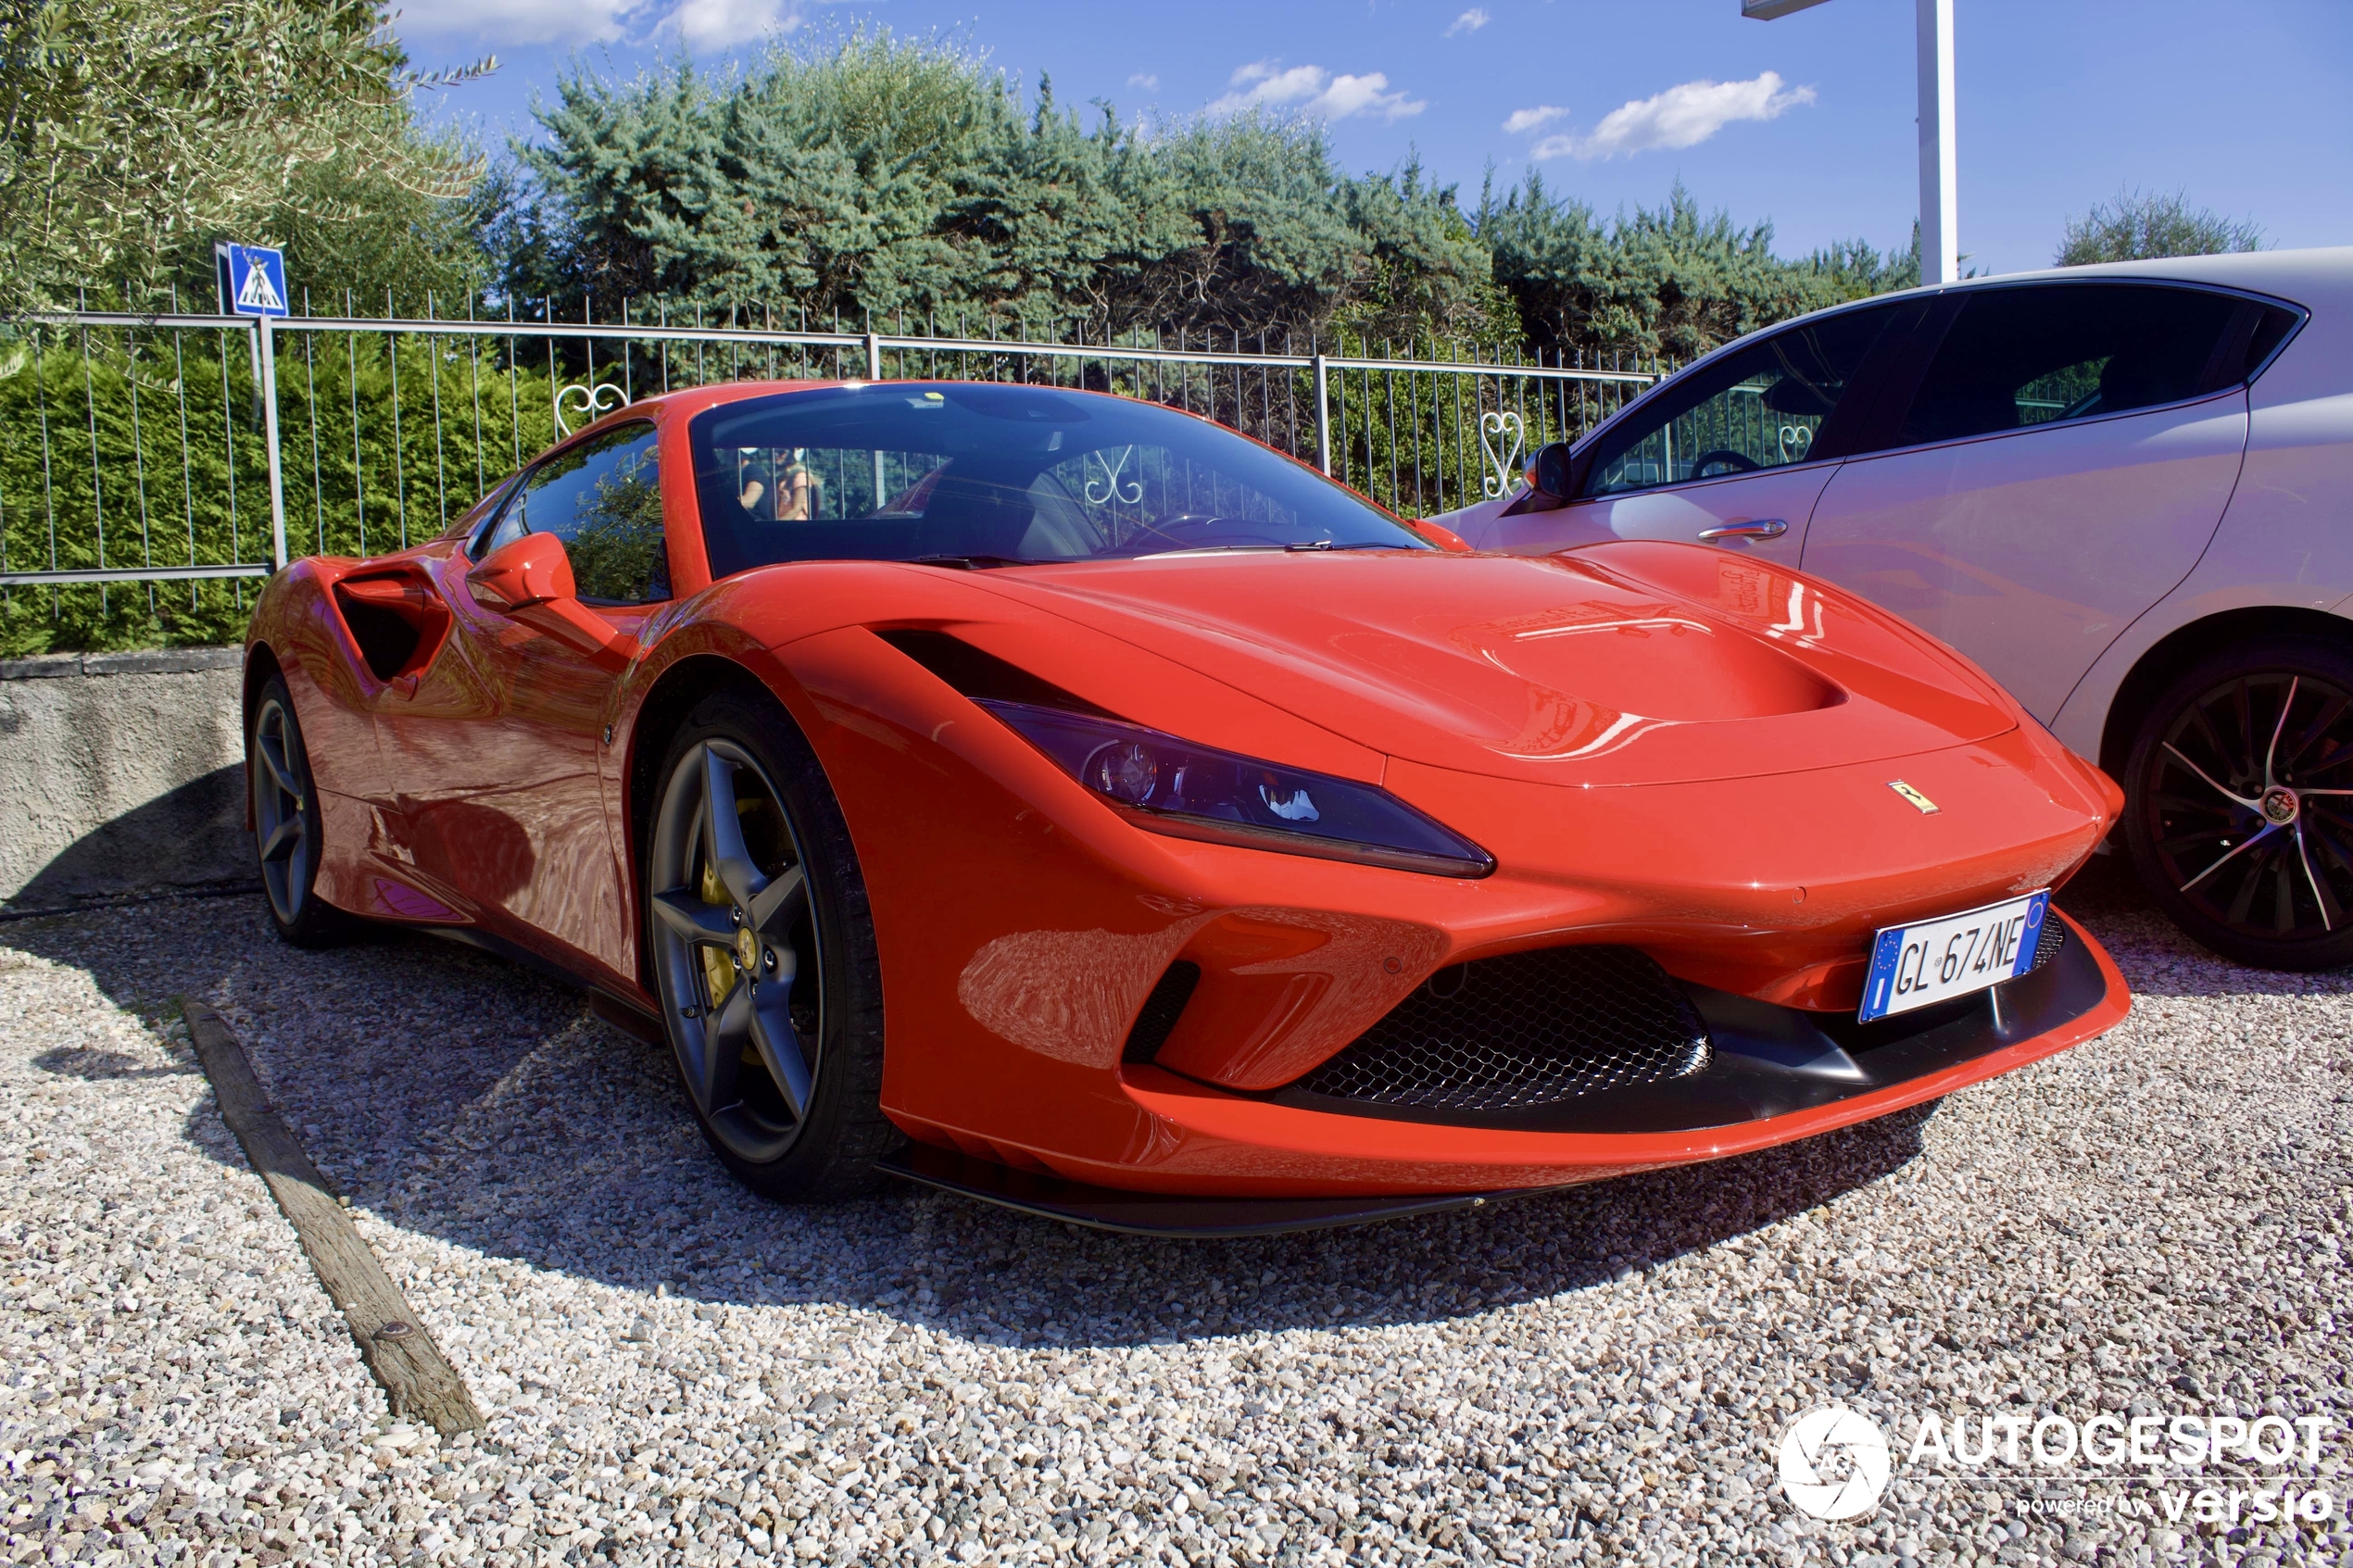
(819, 1141)
(2173, 654)
(663, 712)
(261, 666)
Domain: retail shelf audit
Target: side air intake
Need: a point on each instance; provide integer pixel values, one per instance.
(1161, 1011)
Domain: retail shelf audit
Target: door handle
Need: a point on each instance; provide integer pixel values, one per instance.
(1762, 528)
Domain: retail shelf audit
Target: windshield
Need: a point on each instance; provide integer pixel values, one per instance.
(983, 474)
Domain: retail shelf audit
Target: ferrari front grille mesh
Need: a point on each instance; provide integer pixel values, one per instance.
(1526, 1029)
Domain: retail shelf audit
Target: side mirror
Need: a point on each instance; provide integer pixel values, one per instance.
(530, 571)
(529, 580)
(1552, 471)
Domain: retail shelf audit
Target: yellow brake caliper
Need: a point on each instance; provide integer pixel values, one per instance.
(718, 964)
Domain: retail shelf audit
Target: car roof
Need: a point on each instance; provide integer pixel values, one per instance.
(2302, 277)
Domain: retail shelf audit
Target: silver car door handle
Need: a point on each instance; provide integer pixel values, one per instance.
(1762, 528)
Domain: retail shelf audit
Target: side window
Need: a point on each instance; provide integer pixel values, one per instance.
(1764, 406)
(2016, 358)
(603, 499)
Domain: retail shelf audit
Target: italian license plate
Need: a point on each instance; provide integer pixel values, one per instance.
(1914, 966)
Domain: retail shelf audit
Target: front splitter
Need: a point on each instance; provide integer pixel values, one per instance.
(1148, 1214)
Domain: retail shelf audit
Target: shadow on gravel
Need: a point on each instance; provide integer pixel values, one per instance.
(2157, 960)
(103, 1067)
(464, 1098)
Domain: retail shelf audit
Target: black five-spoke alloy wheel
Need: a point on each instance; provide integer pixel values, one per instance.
(2241, 811)
(763, 954)
(285, 823)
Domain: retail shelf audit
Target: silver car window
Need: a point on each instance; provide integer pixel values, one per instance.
(1762, 407)
(2016, 358)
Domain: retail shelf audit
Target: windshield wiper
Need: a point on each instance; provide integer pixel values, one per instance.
(966, 563)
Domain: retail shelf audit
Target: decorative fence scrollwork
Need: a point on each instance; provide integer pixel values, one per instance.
(1500, 470)
(1108, 489)
(602, 397)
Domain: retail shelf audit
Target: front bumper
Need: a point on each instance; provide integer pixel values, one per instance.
(1243, 1163)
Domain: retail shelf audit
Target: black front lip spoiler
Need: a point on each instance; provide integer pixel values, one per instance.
(1154, 1214)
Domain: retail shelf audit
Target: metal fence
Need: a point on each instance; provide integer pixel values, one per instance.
(154, 449)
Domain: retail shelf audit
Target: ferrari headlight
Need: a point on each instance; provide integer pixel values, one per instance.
(1189, 791)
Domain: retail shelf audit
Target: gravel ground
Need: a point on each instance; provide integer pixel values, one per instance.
(676, 1372)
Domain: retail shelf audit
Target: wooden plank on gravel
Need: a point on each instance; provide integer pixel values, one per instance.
(416, 1377)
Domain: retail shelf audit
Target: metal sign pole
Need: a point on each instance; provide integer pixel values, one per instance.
(270, 442)
(1323, 415)
(874, 373)
(1940, 203)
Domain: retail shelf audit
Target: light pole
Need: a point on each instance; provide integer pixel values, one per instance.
(1940, 205)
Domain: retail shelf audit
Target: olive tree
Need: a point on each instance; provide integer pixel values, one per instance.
(2135, 227)
(134, 132)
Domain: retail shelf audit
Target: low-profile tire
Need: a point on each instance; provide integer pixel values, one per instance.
(2239, 803)
(763, 954)
(286, 825)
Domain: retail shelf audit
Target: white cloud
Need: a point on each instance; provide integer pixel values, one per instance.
(510, 22)
(715, 24)
(1524, 120)
(1363, 94)
(1469, 21)
(1260, 85)
(1145, 79)
(1681, 117)
(710, 24)
(1313, 91)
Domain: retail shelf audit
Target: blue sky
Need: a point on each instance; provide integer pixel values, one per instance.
(1808, 120)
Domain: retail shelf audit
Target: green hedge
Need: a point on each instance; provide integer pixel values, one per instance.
(148, 445)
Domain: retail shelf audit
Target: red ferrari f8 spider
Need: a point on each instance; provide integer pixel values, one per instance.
(1061, 798)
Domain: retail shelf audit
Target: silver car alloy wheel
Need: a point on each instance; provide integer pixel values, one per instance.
(736, 949)
(2250, 804)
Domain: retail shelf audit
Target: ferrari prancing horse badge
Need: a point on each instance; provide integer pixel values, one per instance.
(1926, 806)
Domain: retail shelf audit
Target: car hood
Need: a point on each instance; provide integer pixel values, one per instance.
(1625, 664)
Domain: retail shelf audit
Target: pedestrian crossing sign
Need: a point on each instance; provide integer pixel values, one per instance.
(253, 279)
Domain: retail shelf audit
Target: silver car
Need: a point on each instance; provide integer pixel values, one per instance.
(2126, 491)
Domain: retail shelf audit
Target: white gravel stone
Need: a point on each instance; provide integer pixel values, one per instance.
(675, 1372)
